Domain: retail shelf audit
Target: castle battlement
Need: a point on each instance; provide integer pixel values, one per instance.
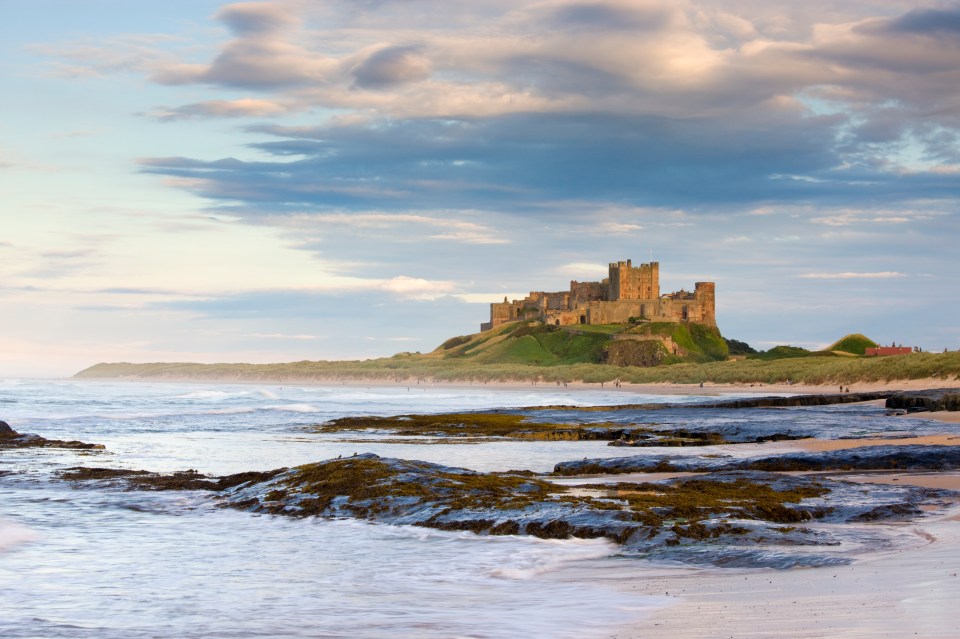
(628, 292)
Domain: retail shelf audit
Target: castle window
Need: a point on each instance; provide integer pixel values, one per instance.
(684, 311)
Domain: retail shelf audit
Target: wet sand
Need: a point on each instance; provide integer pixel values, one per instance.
(948, 480)
(910, 593)
(948, 417)
(819, 445)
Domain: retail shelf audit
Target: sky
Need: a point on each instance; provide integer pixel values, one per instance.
(191, 180)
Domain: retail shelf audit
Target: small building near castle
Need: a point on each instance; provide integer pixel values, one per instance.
(628, 292)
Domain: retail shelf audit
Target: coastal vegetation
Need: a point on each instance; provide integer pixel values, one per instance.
(645, 353)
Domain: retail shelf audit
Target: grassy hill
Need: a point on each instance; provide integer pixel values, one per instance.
(533, 343)
(854, 344)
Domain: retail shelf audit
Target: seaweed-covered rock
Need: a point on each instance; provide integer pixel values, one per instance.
(9, 438)
(736, 514)
(796, 400)
(6, 432)
(728, 518)
(910, 457)
(180, 480)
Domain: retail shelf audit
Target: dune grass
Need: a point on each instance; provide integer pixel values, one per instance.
(413, 367)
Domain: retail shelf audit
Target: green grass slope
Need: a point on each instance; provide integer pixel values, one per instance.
(855, 344)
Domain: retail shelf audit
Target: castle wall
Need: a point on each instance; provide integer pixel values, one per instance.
(588, 291)
(628, 292)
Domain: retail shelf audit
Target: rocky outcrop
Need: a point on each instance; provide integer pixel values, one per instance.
(796, 400)
(180, 480)
(9, 438)
(643, 353)
(909, 457)
(734, 518)
(925, 400)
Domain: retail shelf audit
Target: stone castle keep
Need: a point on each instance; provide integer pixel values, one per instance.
(629, 291)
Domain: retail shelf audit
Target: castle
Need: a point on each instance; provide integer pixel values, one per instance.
(629, 292)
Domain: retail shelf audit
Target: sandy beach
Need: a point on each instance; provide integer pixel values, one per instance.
(910, 593)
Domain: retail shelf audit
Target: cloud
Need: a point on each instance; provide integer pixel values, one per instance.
(243, 107)
(852, 276)
(583, 270)
(261, 56)
(390, 66)
(416, 288)
(926, 21)
(256, 18)
(518, 161)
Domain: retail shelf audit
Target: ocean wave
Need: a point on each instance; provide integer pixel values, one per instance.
(549, 555)
(213, 394)
(295, 408)
(239, 410)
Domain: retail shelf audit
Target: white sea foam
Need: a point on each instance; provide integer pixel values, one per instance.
(295, 408)
(548, 555)
(212, 394)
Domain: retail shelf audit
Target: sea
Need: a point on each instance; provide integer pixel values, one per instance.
(100, 562)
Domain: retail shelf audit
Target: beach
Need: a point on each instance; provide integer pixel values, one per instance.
(908, 593)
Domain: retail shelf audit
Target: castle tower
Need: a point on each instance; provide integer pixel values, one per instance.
(627, 282)
(706, 295)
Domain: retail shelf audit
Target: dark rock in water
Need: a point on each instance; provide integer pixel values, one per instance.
(7, 432)
(925, 400)
(180, 480)
(795, 400)
(910, 457)
(10, 438)
(889, 512)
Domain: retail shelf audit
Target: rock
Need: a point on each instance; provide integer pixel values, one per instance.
(925, 400)
(7, 432)
(796, 400)
(908, 457)
(10, 438)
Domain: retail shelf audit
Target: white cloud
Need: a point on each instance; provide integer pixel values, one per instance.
(242, 107)
(416, 288)
(584, 269)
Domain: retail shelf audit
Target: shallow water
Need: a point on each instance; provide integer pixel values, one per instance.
(108, 564)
